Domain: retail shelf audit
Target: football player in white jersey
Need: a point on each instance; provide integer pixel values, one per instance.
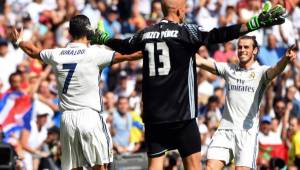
(85, 139)
(236, 137)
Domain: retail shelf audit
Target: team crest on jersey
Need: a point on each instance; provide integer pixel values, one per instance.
(252, 75)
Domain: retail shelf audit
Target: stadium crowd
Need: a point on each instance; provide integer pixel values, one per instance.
(26, 84)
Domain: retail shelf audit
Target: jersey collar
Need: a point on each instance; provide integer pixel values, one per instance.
(75, 45)
(253, 66)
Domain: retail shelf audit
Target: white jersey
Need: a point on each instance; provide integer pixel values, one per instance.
(244, 91)
(78, 69)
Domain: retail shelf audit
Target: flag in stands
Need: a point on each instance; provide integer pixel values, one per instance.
(15, 112)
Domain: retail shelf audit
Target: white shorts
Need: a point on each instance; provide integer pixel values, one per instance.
(85, 139)
(242, 145)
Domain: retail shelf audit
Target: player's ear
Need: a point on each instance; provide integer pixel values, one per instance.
(178, 13)
(255, 51)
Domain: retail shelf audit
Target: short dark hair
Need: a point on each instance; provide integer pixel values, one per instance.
(253, 38)
(10, 79)
(80, 26)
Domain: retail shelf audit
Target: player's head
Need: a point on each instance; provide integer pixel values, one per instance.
(175, 8)
(247, 49)
(80, 27)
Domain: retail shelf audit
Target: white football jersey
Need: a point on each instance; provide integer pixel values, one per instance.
(244, 91)
(78, 69)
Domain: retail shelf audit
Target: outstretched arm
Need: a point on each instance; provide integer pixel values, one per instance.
(206, 64)
(130, 57)
(28, 47)
(290, 55)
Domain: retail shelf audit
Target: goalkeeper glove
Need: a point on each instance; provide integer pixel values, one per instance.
(100, 36)
(269, 17)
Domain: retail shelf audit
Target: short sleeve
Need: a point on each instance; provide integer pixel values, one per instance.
(221, 68)
(47, 55)
(103, 56)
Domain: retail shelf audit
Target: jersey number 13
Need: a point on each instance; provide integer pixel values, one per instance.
(158, 52)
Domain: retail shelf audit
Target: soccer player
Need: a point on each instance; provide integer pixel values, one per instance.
(246, 82)
(169, 81)
(84, 136)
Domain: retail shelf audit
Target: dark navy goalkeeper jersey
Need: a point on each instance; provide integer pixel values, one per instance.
(169, 91)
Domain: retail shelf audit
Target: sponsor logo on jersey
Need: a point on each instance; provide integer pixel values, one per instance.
(240, 86)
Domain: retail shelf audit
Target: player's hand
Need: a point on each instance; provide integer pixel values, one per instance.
(291, 52)
(100, 36)
(268, 17)
(15, 35)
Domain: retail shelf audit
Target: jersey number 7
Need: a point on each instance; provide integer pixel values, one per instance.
(71, 67)
(158, 53)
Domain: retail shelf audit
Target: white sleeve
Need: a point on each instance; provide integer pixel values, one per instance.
(103, 56)
(221, 68)
(47, 56)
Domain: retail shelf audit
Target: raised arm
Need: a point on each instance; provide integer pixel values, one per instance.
(130, 57)
(28, 47)
(289, 56)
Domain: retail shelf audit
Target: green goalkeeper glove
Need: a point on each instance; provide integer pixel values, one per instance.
(269, 17)
(100, 36)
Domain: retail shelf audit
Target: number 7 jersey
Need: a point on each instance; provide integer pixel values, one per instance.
(169, 90)
(78, 70)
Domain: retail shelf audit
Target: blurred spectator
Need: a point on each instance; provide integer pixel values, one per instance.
(34, 8)
(121, 126)
(290, 97)
(143, 7)
(8, 62)
(270, 144)
(204, 134)
(173, 161)
(135, 98)
(111, 23)
(227, 51)
(123, 88)
(52, 146)
(32, 139)
(230, 16)
(109, 107)
(137, 20)
(277, 163)
(93, 10)
(156, 12)
(207, 14)
(211, 110)
(294, 125)
(270, 54)
(285, 34)
(205, 89)
(136, 131)
(251, 8)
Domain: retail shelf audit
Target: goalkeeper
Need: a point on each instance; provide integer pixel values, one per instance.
(169, 82)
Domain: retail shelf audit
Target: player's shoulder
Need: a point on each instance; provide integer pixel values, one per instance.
(260, 67)
(192, 27)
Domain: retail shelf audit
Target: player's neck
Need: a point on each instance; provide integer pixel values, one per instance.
(246, 65)
(173, 18)
(82, 40)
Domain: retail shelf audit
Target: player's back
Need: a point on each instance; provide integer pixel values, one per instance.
(78, 69)
(169, 83)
